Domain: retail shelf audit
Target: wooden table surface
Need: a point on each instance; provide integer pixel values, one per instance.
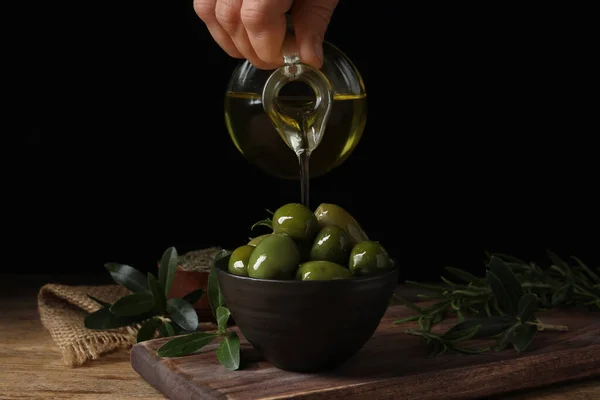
(31, 366)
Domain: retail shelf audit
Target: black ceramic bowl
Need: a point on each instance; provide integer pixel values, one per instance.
(306, 326)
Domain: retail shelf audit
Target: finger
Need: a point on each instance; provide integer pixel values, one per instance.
(311, 19)
(264, 21)
(205, 9)
(228, 14)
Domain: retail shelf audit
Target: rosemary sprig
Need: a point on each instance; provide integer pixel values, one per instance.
(503, 304)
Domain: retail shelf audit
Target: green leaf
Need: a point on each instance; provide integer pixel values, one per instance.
(523, 336)
(433, 288)
(470, 293)
(166, 329)
(407, 319)
(470, 351)
(501, 296)
(449, 282)
(509, 280)
(427, 335)
(147, 330)
(182, 313)
(104, 319)
(509, 258)
(215, 298)
(437, 318)
(591, 273)
(562, 295)
(506, 338)
(559, 270)
(488, 326)
(194, 296)
(167, 269)
(436, 348)
(133, 304)
(158, 294)
(455, 304)
(222, 318)
(461, 335)
(527, 307)
(437, 307)
(494, 307)
(184, 345)
(228, 352)
(556, 260)
(102, 303)
(560, 266)
(408, 303)
(464, 275)
(265, 222)
(128, 277)
(582, 279)
(425, 323)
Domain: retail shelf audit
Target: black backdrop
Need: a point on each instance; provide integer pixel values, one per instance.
(476, 139)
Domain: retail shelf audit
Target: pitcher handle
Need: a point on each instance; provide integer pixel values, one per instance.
(294, 70)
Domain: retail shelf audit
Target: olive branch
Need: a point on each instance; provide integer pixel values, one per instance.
(228, 352)
(148, 307)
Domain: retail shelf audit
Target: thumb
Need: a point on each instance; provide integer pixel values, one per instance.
(311, 19)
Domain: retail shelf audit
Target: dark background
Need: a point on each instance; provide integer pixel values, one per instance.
(479, 137)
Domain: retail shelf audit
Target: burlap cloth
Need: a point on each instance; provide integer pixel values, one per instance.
(63, 308)
(62, 311)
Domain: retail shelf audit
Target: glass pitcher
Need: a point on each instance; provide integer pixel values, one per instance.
(273, 116)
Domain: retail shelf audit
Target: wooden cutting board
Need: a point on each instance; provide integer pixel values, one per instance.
(392, 365)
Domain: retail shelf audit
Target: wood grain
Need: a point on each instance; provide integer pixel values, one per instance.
(391, 366)
(31, 367)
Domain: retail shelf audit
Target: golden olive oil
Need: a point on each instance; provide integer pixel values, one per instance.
(257, 139)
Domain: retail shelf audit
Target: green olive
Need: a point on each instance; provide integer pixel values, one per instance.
(258, 239)
(322, 271)
(369, 258)
(238, 261)
(296, 221)
(275, 257)
(331, 244)
(331, 214)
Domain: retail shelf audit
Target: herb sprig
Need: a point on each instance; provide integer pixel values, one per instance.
(228, 351)
(503, 304)
(266, 222)
(147, 305)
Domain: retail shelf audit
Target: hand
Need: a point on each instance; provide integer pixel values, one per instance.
(255, 29)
